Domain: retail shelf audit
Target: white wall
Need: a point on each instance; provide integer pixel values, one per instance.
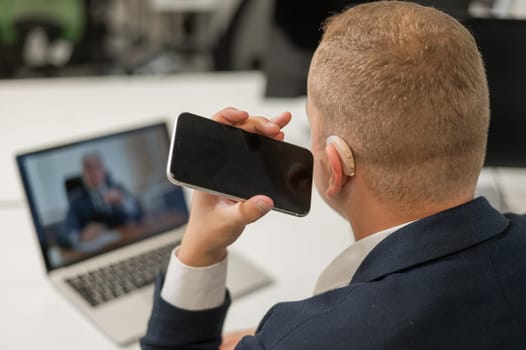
(518, 8)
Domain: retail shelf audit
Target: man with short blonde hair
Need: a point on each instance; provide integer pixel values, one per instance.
(398, 108)
(409, 95)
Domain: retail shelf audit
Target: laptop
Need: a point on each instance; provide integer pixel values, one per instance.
(107, 219)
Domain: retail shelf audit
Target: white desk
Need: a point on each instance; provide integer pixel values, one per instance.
(34, 113)
(45, 112)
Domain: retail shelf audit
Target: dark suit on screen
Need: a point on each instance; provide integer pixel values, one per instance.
(454, 280)
(82, 211)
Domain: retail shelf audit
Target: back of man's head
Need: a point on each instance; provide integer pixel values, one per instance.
(405, 86)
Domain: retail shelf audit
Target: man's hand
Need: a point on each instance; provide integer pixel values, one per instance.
(91, 231)
(230, 340)
(113, 196)
(216, 222)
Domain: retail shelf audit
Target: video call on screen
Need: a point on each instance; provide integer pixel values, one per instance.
(100, 194)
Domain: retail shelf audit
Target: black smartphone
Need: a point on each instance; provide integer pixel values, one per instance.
(236, 164)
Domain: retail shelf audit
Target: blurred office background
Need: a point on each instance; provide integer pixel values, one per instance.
(64, 38)
(72, 69)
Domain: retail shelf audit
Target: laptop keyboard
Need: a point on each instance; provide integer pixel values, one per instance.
(123, 277)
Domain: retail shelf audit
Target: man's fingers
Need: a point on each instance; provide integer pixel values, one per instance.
(234, 117)
(280, 136)
(254, 124)
(270, 127)
(254, 208)
(261, 125)
(230, 116)
(282, 120)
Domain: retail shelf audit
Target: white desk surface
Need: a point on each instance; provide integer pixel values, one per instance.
(34, 113)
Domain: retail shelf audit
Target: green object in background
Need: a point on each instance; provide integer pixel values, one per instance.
(66, 14)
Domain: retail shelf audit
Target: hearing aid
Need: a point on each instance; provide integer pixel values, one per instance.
(345, 152)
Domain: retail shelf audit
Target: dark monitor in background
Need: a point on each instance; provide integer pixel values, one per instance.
(502, 43)
(292, 39)
(456, 8)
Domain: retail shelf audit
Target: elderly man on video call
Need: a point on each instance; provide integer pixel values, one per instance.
(399, 112)
(98, 205)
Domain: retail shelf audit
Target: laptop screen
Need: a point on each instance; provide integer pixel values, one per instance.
(99, 194)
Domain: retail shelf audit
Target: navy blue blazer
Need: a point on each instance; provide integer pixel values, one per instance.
(454, 280)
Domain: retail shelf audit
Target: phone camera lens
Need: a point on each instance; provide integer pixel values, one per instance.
(298, 178)
(252, 142)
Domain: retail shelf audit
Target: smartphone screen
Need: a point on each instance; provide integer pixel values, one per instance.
(228, 161)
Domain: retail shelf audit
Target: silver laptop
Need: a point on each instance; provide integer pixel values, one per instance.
(107, 219)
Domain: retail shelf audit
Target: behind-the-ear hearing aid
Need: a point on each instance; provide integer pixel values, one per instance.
(345, 152)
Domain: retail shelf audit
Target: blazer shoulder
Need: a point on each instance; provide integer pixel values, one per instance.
(508, 258)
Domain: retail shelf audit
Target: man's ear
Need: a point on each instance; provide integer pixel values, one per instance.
(345, 153)
(341, 164)
(336, 177)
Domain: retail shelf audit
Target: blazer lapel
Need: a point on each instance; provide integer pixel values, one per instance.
(431, 238)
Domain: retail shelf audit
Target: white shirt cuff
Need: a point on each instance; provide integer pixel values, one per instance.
(194, 288)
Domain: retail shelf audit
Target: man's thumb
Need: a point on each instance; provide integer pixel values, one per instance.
(255, 208)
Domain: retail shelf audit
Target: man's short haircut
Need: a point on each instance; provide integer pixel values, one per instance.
(405, 86)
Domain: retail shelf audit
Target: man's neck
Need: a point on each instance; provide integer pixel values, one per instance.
(372, 216)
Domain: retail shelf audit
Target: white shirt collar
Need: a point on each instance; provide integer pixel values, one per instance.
(341, 270)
